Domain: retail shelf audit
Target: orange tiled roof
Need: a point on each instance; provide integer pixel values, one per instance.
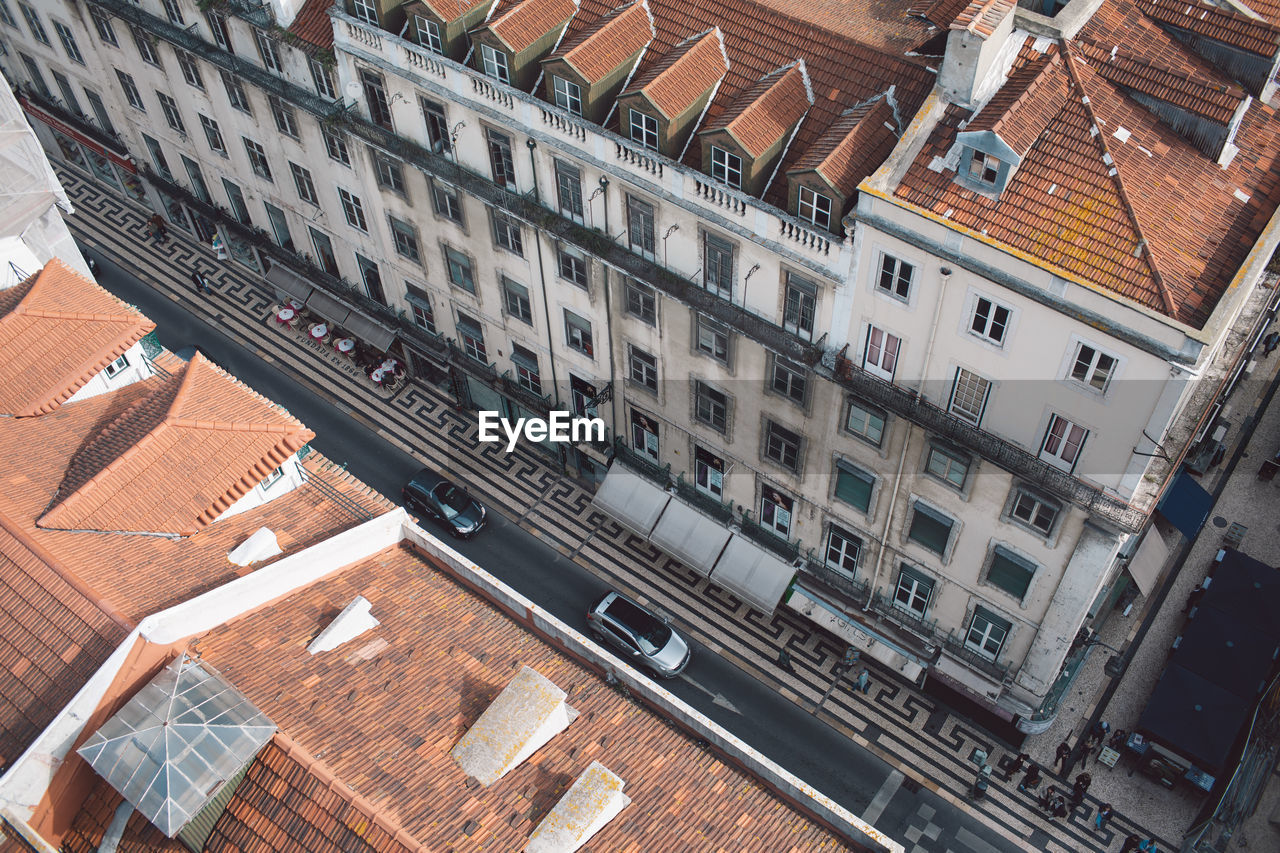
(609, 41)
(384, 711)
(175, 461)
(1019, 112)
(765, 113)
(452, 10)
(1224, 25)
(529, 20)
(683, 74)
(60, 331)
(944, 12)
(981, 17)
(312, 24)
(853, 146)
(96, 814)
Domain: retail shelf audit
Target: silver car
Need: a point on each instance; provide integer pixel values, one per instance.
(643, 638)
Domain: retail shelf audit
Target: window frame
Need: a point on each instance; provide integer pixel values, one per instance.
(218, 29)
(304, 184)
(843, 565)
(173, 12)
(866, 478)
(366, 11)
(286, 119)
(236, 95)
(446, 201)
(726, 167)
(773, 510)
(641, 433)
(719, 262)
(782, 443)
(99, 108)
(1035, 506)
(937, 517)
(911, 586)
(642, 368)
(142, 41)
(569, 190)
(132, 96)
(437, 124)
(641, 301)
(886, 347)
(708, 478)
(404, 238)
(993, 621)
(794, 377)
(508, 232)
(890, 280)
(528, 371)
(389, 174)
(353, 210)
(190, 68)
(1056, 457)
(172, 115)
(34, 24)
(706, 326)
(711, 406)
(101, 23)
(951, 460)
(981, 325)
(1011, 562)
(322, 80)
(434, 40)
(577, 271)
(114, 368)
(490, 65)
(961, 406)
(258, 161)
(501, 160)
(799, 305)
(1085, 367)
(471, 336)
(585, 340)
(456, 262)
(567, 95)
(810, 210)
(69, 97)
(335, 145)
(983, 161)
(68, 39)
(516, 302)
(642, 224)
(852, 403)
(269, 51)
(643, 129)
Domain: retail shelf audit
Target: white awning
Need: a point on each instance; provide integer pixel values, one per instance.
(1148, 564)
(753, 573)
(370, 331)
(328, 307)
(631, 500)
(288, 283)
(692, 537)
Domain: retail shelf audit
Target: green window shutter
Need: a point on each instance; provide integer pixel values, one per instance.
(854, 487)
(1010, 572)
(930, 529)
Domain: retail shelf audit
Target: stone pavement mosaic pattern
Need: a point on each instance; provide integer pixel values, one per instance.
(908, 729)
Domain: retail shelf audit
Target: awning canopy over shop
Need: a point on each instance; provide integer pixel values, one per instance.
(288, 284)
(633, 501)
(1148, 563)
(1186, 504)
(753, 573)
(328, 307)
(370, 331)
(692, 537)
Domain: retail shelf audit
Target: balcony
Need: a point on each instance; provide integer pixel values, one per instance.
(641, 464)
(854, 590)
(956, 647)
(766, 538)
(690, 494)
(80, 122)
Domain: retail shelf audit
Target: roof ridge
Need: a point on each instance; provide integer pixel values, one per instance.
(1113, 171)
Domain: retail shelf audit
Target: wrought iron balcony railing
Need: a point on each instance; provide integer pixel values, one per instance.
(688, 492)
(956, 647)
(851, 588)
(766, 538)
(81, 122)
(641, 464)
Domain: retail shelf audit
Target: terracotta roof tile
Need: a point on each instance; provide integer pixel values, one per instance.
(175, 461)
(312, 24)
(764, 114)
(384, 723)
(1205, 100)
(1019, 112)
(981, 17)
(944, 12)
(853, 146)
(529, 20)
(683, 74)
(609, 41)
(63, 330)
(1224, 25)
(97, 813)
(452, 10)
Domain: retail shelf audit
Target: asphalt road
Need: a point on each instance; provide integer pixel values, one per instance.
(772, 724)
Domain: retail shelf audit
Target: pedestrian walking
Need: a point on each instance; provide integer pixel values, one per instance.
(1046, 799)
(863, 682)
(1083, 781)
(1131, 843)
(1148, 846)
(1057, 807)
(1103, 817)
(156, 229)
(784, 660)
(1270, 342)
(1031, 780)
(202, 285)
(1061, 756)
(1015, 766)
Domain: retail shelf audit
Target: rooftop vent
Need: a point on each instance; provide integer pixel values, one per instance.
(527, 714)
(353, 621)
(593, 801)
(262, 545)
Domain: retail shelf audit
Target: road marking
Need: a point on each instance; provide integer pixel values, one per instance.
(968, 839)
(716, 698)
(882, 797)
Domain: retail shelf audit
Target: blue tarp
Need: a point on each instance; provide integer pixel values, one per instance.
(1186, 504)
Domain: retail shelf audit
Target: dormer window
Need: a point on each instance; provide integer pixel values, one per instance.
(428, 34)
(116, 366)
(726, 167)
(568, 95)
(494, 63)
(814, 207)
(644, 130)
(984, 168)
(366, 11)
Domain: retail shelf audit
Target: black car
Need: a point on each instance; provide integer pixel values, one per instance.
(441, 500)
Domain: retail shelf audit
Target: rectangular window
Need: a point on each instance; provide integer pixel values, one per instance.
(525, 362)
(322, 79)
(569, 190)
(717, 265)
(437, 125)
(577, 331)
(424, 316)
(711, 407)
(173, 12)
(571, 265)
(507, 232)
(257, 159)
(1092, 367)
(390, 174)
(1010, 572)
(471, 335)
(68, 40)
(987, 633)
(913, 591)
(644, 369)
(37, 28)
(501, 163)
(776, 512)
(984, 168)
(568, 95)
(854, 486)
(365, 10)
(68, 93)
(882, 353)
(516, 298)
(131, 93)
(157, 157)
(708, 473)
(353, 210)
(640, 227)
(428, 34)
(305, 185)
(324, 251)
(1063, 442)
(405, 238)
(146, 48)
(235, 198)
(286, 120)
(583, 397)
(101, 23)
(116, 366)
(782, 446)
(190, 68)
(990, 321)
(644, 435)
(169, 107)
(788, 380)
(37, 79)
(800, 306)
(642, 302)
(371, 277)
(1034, 512)
(969, 396)
(460, 273)
(270, 52)
(218, 29)
(843, 549)
(6, 16)
(236, 94)
(865, 422)
(375, 95)
(813, 207)
(947, 465)
(212, 135)
(336, 144)
(446, 201)
(494, 63)
(930, 529)
(895, 277)
(100, 111)
(198, 186)
(726, 167)
(279, 225)
(713, 339)
(644, 130)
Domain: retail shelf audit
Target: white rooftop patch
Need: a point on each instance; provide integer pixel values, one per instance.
(262, 545)
(529, 712)
(593, 800)
(353, 621)
(1122, 133)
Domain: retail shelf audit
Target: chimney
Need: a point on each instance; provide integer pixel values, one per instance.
(527, 714)
(977, 37)
(593, 801)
